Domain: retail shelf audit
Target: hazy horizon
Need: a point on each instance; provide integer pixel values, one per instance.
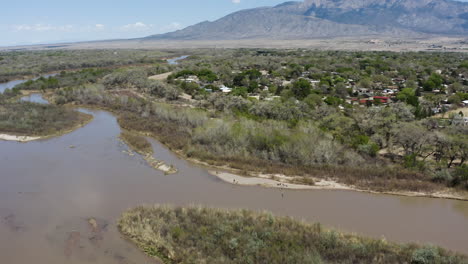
(33, 22)
(30, 22)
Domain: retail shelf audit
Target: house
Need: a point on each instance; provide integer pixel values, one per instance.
(305, 74)
(225, 89)
(190, 79)
(388, 91)
(271, 98)
(363, 91)
(370, 100)
(382, 99)
(314, 83)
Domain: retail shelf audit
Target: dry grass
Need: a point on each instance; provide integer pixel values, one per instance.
(30, 119)
(203, 235)
(138, 143)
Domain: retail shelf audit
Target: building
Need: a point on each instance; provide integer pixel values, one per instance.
(382, 99)
(225, 89)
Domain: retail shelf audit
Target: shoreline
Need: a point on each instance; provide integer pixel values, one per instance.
(148, 156)
(7, 137)
(283, 182)
(320, 185)
(26, 139)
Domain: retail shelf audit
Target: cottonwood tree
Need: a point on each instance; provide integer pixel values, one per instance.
(414, 139)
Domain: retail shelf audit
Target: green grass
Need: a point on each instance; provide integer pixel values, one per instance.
(203, 235)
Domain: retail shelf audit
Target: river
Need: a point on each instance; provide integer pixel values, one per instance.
(175, 61)
(50, 188)
(11, 84)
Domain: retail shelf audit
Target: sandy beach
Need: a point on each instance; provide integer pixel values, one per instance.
(278, 181)
(17, 138)
(287, 182)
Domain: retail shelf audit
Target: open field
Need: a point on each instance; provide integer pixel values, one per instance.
(370, 43)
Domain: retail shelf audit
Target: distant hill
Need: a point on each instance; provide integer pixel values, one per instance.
(334, 18)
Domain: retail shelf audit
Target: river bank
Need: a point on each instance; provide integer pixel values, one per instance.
(168, 135)
(7, 137)
(86, 119)
(291, 182)
(140, 145)
(69, 119)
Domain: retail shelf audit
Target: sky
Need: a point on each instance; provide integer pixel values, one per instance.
(54, 21)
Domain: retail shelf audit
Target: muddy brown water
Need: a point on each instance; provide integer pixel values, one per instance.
(49, 191)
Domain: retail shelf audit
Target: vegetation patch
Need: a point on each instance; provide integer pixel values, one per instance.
(141, 145)
(138, 143)
(29, 63)
(203, 235)
(31, 119)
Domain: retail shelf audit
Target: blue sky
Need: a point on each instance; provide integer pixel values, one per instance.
(51, 21)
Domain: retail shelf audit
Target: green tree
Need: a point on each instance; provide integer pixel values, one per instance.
(408, 96)
(313, 100)
(434, 82)
(240, 91)
(301, 88)
(334, 101)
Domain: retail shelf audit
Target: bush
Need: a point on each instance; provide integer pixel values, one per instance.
(426, 255)
(138, 143)
(442, 176)
(203, 235)
(24, 118)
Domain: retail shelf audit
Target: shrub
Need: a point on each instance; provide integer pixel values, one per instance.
(24, 118)
(204, 235)
(136, 142)
(426, 255)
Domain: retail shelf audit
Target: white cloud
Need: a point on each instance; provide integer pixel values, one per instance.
(138, 26)
(236, 1)
(171, 27)
(42, 27)
(99, 26)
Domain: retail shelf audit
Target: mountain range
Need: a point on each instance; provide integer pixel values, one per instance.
(333, 18)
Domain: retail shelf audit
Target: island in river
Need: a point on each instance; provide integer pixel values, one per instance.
(207, 235)
(26, 121)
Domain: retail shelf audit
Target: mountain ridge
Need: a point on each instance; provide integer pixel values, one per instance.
(333, 18)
